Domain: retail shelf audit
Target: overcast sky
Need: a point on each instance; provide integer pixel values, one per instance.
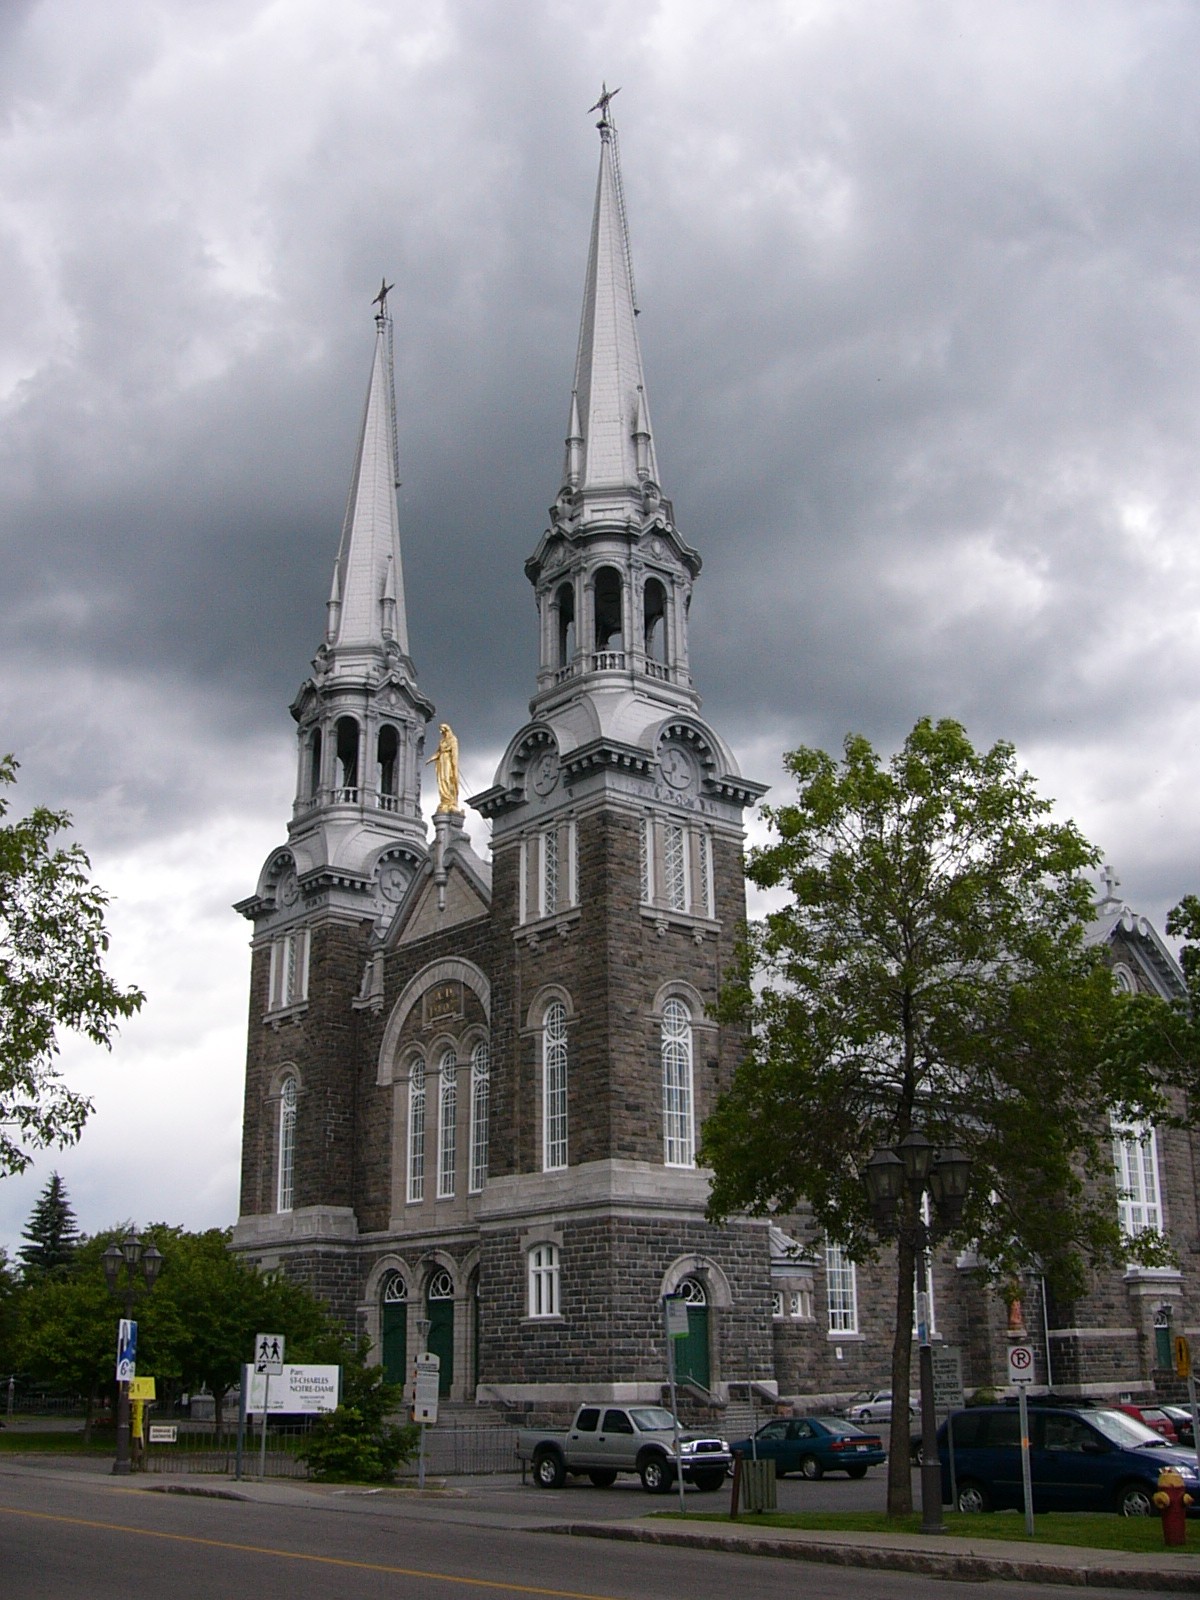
(920, 318)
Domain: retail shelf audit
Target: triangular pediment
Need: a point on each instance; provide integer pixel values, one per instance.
(432, 908)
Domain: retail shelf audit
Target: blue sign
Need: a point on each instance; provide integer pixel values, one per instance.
(126, 1350)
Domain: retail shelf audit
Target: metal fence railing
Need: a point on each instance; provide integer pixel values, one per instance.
(201, 1450)
(472, 1450)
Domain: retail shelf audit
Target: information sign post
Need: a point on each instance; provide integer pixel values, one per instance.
(426, 1381)
(1020, 1372)
(268, 1360)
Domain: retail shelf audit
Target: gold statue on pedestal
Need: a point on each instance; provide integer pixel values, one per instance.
(444, 762)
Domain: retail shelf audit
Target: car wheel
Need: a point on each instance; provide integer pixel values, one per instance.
(603, 1478)
(708, 1480)
(655, 1474)
(917, 1453)
(1134, 1500)
(973, 1496)
(549, 1472)
(810, 1467)
(856, 1472)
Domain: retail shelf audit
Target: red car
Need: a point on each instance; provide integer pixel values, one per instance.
(1154, 1417)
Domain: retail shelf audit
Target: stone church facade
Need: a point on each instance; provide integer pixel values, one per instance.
(474, 1089)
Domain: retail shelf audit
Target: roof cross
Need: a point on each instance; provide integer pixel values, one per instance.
(606, 95)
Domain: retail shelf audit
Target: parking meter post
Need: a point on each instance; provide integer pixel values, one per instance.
(1026, 1479)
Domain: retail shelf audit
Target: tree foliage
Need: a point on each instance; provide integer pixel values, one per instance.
(51, 1234)
(356, 1443)
(927, 971)
(52, 948)
(1166, 1033)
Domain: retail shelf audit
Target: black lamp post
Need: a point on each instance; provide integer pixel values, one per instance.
(891, 1177)
(126, 1267)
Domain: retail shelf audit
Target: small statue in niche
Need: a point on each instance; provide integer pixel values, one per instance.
(444, 762)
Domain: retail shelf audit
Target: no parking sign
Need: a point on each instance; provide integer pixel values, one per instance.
(1020, 1363)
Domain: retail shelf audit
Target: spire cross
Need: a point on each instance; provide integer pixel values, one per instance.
(1110, 881)
(380, 300)
(602, 105)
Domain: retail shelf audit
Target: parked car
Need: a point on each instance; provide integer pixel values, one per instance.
(1079, 1460)
(1184, 1429)
(813, 1446)
(877, 1407)
(1154, 1417)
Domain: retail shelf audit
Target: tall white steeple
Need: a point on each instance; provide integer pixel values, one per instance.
(357, 834)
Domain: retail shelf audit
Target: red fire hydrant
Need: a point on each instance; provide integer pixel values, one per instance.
(1172, 1501)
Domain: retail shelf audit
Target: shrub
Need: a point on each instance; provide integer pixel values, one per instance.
(356, 1443)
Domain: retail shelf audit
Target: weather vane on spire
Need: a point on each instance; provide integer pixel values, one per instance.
(606, 95)
(380, 300)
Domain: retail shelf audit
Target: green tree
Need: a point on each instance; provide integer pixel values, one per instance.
(51, 1234)
(356, 1443)
(66, 1327)
(1166, 1033)
(927, 973)
(52, 947)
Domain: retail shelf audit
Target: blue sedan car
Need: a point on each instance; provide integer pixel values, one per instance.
(813, 1446)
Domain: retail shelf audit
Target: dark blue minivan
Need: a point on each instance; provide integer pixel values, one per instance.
(1079, 1460)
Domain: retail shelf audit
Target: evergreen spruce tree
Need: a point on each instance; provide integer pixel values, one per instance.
(52, 1235)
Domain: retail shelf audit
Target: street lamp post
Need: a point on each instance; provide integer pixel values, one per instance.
(126, 1267)
(892, 1177)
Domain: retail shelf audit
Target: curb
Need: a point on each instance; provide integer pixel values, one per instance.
(932, 1563)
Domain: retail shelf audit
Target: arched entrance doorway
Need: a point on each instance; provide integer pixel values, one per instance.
(393, 1328)
(691, 1354)
(439, 1301)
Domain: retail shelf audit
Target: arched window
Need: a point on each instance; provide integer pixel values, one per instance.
(543, 1281)
(608, 600)
(554, 1086)
(447, 1124)
(480, 1095)
(679, 1138)
(387, 755)
(287, 1145)
(1135, 1155)
(314, 766)
(347, 759)
(654, 617)
(416, 1130)
(565, 600)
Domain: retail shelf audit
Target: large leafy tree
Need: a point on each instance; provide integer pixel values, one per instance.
(926, 972)
(52, 948)
(51, 1234)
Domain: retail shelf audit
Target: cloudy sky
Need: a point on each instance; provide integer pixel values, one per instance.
(922, 336)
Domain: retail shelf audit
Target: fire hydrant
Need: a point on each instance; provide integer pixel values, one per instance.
(1172, 1501)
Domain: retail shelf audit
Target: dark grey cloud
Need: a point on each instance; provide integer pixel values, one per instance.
(922, 340)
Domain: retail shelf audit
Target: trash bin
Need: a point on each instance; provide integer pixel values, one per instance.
(758, 1485)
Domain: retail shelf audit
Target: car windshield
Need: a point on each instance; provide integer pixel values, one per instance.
(1124, 1430)
(652, 1419)
(840, 1429)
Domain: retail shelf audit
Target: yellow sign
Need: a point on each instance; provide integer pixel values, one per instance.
(141, 1388)
(1183, 1357)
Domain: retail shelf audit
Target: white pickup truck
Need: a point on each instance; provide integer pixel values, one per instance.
(605, 1440)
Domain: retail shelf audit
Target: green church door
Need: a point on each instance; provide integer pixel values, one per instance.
(394, 1330)
(691, 1354)
(440, 1302)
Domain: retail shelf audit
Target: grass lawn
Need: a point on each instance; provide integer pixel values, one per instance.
(1093, 1530)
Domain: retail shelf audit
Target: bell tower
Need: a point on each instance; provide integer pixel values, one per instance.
(617, 885)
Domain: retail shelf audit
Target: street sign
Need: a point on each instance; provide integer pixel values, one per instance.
(164, 1433)
(126, 1350)
(304, 1389)
(426, 1377)
(141, 1389)
(1020, 1363)
(268, 1353)
(1183, 1357)
(947, 1377)
(677, 1316)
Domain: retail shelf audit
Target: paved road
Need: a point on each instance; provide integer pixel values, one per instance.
(66, 1536)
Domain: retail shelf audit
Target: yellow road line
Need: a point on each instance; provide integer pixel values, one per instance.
(293, 1555)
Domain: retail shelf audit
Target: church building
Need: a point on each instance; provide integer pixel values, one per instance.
(474, 1088)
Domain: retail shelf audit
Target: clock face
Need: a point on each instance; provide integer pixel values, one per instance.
(676, 768)
(545, 773)
(289, 889)
(393, 880)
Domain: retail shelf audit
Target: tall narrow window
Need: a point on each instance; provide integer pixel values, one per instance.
(679, 1144)
(1135, 1155)
(543, 1281)
(289, 970)
(704, 895)
(347, 759)
(480, 1093)
(842, 1288)
(548, 885)
(387, 768)
(675, 865)
(287, 1145)
(554, 1086)
(447, 1124)
(416, 1130)
(314, 766)
(645, 861)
